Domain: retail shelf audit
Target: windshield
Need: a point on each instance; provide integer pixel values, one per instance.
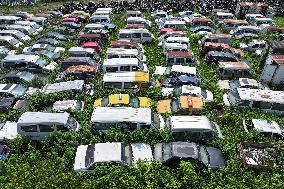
(71, 123)
(41, 62)
(18, 90)
(203, 155)
(233, 97)
(167, 152)
(79, 105)
(234, 84)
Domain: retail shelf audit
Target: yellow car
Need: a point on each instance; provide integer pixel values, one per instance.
(124, 100)
(185, 105)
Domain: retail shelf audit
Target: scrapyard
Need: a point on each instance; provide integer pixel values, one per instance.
(141, 94)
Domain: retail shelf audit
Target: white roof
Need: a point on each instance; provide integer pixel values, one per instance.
(108, 152)
(136, 19)
(63, 86)
(121, 114)
(122, 51)
(94, 26)
(121, 62)
(175, 45)
(263, 19)
(43, 117)
(254, 15)
(139, 30)
(23, 23)
(8, 131)
(224, 14)
(160, 70)
(81, 49)
(184, 69)
(64, 104)
(266, 126)
(248, 27)
(190, 89)
(141, 151)
(174, 22)
(248, 82)
(120, 77)
(261, 95)
(190, 122)
(40, 46)
(179, 39)
(27, 58)
(79, 163)
(104, 9)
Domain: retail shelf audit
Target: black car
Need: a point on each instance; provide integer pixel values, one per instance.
(216, 56)
(55, 35)
(171, 154)
(180, 80)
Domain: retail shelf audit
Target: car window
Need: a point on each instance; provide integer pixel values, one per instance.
(124, 68)
(61, 128)
(203, 155)
(46, 128)
(29, 128)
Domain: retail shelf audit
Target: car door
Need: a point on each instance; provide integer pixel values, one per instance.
(45, 130)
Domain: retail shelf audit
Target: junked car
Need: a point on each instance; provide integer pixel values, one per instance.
(88, 157)
(240, 83)
(125, 118)
(40, 47)
(123, 100)
(260, 155)
(173, 153)
(18, 77)
(65, 105)
(182, 105)
(10, 42)
(12, 90)
(267, 128)
(245, 31)
(257, 46)
(193, 128)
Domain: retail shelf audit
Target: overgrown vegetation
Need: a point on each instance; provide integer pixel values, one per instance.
(49, 164)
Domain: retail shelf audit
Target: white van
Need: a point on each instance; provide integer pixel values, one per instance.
(193, 128)
(125, 53)
(137, 35)
(126, 118)
(174, 47)
(126, 80)
(219, 16)
(176, 24)
(124, 65)
(100, 19)
(38, 125)
(138, 20)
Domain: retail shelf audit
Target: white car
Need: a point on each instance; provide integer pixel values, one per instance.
(189, 90)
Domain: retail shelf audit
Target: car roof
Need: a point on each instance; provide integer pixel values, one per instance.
(261, 95)
(179, 54)
(190, 122)
(63, 86)
(27, 58)
(233, 65)
(279, 59)
(141, 151)
(43, 117)
(121, 61)
(121, 114)
(126, 77)
(82, 68)
(122, 51)
(183, 69)
(108, 152)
